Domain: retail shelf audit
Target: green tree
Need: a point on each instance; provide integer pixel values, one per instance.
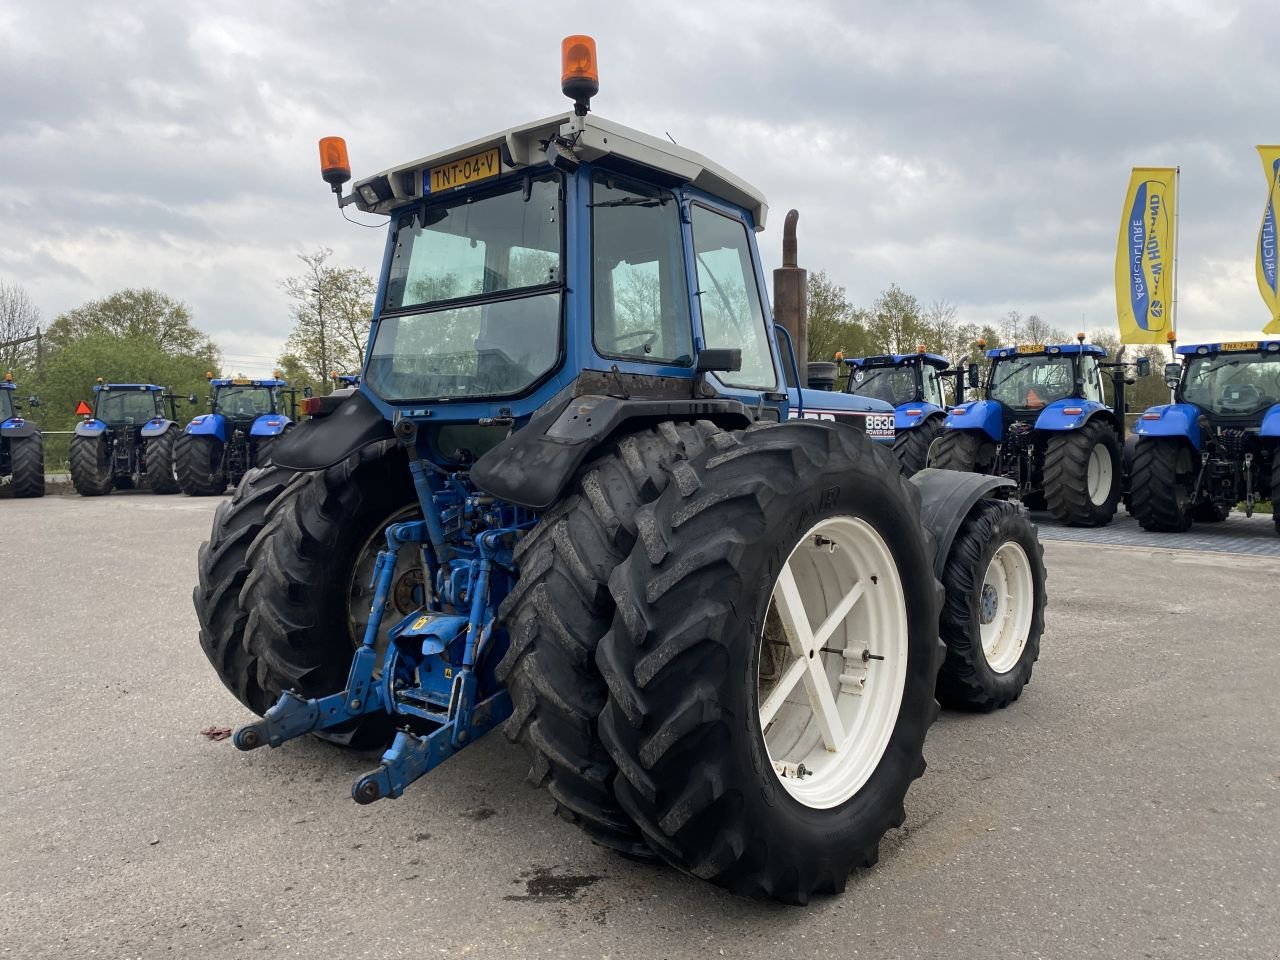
(135, 316)
(896, 324)
(332, 311)
(834, 325)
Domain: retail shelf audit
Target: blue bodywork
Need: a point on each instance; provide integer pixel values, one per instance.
(984, 415)
(912, 413)
(1171, 420)
(1271, 422)
(1073, 414)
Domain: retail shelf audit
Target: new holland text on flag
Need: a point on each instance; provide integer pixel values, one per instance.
(1144, 256)
(1268, 249)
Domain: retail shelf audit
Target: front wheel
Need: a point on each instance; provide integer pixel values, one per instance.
(26, 460)
(993, 616)
(1164, 471)
(766, 738)
(1082, 472)
(91, 465)
(162, 474)
(911, 447)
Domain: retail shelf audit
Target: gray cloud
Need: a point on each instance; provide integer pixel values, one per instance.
(976, 152)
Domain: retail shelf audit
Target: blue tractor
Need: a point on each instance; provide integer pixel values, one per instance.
(246, 418)
(913, 383)
(21, 444)
(1217, 444)
(126, 440)
(575, 495)
(1044, 423)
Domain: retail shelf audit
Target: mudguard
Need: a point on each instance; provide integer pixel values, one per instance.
(208, 425)
(319, 443)
(1055, 417)
(1171, 420)
(984, 415)
(16, 427)
(156, 426)
(907, 416)
(946, 497)
(1271, 422)
(269, 425)
(90, 428)
(533, 465)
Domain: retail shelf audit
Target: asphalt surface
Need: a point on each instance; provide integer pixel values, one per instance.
(1236, 534)
(1127, 806)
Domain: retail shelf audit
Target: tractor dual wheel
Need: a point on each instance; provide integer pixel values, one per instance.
(158, 457)
(307, 592)
(559, 610)
(1082, 474)
(993, 615)
(199, 465)
(26, 463)
(1164, 471)
(772, 663)
(911, 447)
(223, 568)
(90, 460)
(965, 450)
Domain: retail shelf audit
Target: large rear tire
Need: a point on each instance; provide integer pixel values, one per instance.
(162, 474)
(307, 592)
(722, 761)
(993, 616)
(1163, 473)
(965, 450)
(559, 610)
(90, 460)
(223, 567)
(911, 447)
(262, 449)
(1082, 475)
(199, 461)
(26, 460)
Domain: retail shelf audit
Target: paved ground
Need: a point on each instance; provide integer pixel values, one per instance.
(1237, 534)
(1128, 806)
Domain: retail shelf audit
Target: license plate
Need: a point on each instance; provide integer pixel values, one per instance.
(459, 173)
(1241, 345)
(1031, 348)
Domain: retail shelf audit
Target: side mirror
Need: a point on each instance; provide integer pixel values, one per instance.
(1172, 374)
(191, 398)
(1142, 366)
(306, 391)
(33, 402)
(973, 376)
(719, 360)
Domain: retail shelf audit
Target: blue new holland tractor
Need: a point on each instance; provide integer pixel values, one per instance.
(126, 441)
(1044, 423)
(1217, 444)
(21, 444)
(246, 418)
(913, 383)
(574, 494)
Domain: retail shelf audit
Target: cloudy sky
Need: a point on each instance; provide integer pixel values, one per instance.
(973, 152)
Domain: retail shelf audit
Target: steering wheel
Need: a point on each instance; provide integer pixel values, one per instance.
(634, 334)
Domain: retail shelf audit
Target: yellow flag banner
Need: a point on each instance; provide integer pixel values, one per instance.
(1268, 252)
(1144, 256)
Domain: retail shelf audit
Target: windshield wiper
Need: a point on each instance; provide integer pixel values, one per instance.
(633, 202)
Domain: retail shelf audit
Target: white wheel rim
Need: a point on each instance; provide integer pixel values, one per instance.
(401, 601)
(1005, 605)
(832, 662)
(1100, 473)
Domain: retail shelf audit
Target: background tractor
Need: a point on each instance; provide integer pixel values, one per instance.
(1217, 444)
(914, 384)
(1044, 423)
(21, 444)
(575, 495)
(246, 417)
(126, 440)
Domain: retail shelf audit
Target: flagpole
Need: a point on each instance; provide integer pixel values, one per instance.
(1177, 224)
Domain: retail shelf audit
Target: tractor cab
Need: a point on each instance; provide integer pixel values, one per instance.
(129, 405)
(243, 400)
(1029, 379)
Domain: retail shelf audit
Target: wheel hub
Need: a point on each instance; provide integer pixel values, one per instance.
(1006, 605)
(990, 603)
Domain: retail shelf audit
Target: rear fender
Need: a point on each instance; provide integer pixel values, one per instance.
(1271, 422)
(155, 427)
(908, 416)
(1056, 419)
(320, 443)
(90, 428)
(1171, 420)
(269, 425)
(16, 427)
(984, 415)
(947, 497)
(208, 425)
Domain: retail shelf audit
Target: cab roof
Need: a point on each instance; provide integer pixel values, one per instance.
(523, 147)
(1229, 346)
(128, 386)
(1040, 350)
(898, 360)
(247, 382)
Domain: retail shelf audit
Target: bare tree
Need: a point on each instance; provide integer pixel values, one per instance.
(332, 311)
(19, 325)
